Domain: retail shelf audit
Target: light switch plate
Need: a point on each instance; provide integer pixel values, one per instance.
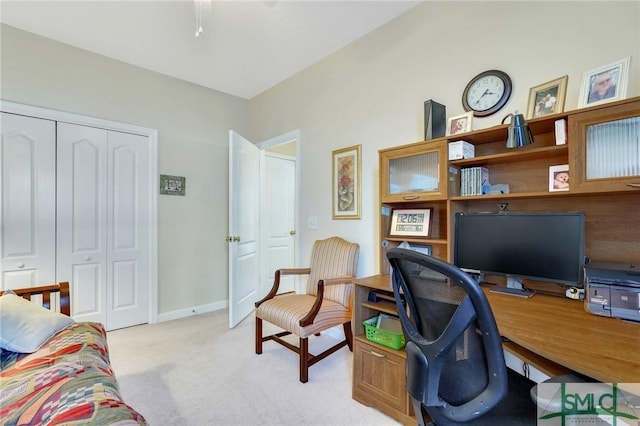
(312, 222)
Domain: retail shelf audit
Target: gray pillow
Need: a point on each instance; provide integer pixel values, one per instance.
(26, 326)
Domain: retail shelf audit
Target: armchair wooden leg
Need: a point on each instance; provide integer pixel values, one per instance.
(258, 335)
(348, 334)
(304, 360)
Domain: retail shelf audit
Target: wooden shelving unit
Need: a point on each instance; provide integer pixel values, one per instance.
(611, 206)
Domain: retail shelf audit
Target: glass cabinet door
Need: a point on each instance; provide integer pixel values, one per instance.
(414, 172)
(606, 148)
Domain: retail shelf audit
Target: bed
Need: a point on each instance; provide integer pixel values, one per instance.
(67, 378)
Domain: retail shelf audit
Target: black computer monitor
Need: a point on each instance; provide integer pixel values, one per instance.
(540, 246)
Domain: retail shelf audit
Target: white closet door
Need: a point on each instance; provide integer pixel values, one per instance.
(127, 251)
(27, 215)
(82, 218)
(103, 228)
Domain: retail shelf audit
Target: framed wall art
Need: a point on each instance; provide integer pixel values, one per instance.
(559, 178)
(547, 98)
(346, 183)
(411, 223)
(172, 185)
(604, 84)
(459, 124)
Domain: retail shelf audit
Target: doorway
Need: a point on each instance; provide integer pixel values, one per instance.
(263, 214)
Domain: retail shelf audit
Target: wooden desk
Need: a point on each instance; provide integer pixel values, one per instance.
(559, 329)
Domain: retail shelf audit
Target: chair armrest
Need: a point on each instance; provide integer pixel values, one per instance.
(295, 271)
(276, 281)
(311, 316)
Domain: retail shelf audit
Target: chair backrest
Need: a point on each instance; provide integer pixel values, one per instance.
(331, 258)
(455, 362)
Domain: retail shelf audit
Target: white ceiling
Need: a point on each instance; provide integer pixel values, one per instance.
(246, 46)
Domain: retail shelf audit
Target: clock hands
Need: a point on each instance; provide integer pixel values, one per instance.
(482, 96)
(486, 92)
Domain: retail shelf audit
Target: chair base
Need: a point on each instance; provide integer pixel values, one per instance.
(306, 359)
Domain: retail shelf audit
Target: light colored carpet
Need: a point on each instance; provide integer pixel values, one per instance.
(196, 371)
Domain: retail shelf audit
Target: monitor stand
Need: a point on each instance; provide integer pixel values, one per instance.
(514, 288)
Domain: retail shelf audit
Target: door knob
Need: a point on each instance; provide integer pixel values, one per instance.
(236, 239)
(292, 232)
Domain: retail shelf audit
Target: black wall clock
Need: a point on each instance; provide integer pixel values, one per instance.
(487, 93)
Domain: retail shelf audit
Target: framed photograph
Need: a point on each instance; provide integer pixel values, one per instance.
(346, 183)
(559, 178)
(459, 124)
(605, 84)
(547, 98)
(411, 223)
(172, 185)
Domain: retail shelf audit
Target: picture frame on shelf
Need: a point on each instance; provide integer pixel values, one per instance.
(604, 84)
(172, 185)
(459, 123)
(411, 223)
(559, 178)
(346, 182)
(547, 98)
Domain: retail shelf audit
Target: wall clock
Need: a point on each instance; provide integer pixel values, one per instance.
(487, 93)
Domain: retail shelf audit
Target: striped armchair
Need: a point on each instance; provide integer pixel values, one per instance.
(326, 303)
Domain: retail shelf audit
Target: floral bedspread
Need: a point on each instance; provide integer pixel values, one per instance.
(69, 380)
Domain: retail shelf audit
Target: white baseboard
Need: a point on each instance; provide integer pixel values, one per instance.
(195, 310)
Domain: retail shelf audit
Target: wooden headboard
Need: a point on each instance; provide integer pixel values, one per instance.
(46, 291)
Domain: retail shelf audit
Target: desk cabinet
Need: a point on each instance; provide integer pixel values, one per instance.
(379, 372)
(605, 149)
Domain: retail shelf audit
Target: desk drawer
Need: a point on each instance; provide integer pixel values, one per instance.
(379, 376)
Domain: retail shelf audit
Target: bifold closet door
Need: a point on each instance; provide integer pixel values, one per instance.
(27, 215)
(102, 202)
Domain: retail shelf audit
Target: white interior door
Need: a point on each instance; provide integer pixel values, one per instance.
(128, 202)
(244, 214)
(82, 219)
(278, 214)
(27, 214)
(103, 202)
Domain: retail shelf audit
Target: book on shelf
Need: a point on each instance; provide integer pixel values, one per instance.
(561, 131)
(473, 179)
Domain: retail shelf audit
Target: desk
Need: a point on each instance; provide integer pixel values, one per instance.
(555, 328)
(560, 330)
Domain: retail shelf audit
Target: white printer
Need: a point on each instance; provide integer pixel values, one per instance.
(613, 289)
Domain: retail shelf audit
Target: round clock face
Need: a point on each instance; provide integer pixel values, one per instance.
(487, 93)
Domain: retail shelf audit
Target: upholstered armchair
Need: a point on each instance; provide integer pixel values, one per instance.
(326, 303)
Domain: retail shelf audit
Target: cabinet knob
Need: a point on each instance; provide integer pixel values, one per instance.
(20, 265)
(378, 354)
(87, 258)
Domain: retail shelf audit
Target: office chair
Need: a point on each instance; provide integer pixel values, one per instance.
(456, 372)
(325, 304)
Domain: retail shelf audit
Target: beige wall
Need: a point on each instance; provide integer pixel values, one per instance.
(372, 92)
(193, 131)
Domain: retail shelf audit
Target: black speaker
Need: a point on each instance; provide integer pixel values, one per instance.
(435, 120)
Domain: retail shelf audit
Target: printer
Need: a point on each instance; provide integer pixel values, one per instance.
(612, 289)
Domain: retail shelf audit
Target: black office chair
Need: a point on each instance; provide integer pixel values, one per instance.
(456, 373)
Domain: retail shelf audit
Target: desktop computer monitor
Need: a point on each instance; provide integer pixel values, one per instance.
(540, 246)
